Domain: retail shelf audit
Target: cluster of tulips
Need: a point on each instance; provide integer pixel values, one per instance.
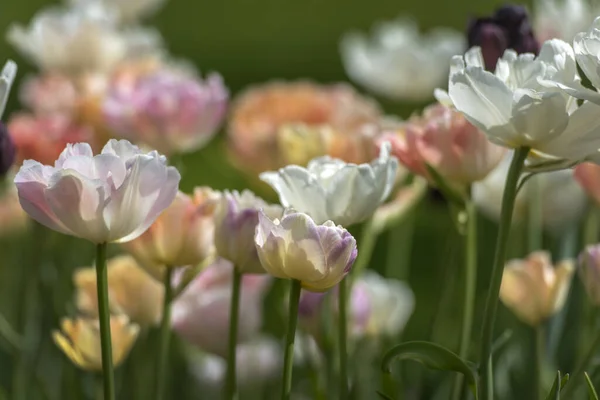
(111, 121)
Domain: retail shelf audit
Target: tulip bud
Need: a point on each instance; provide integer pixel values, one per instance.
(443, 139)
(507, 28)
(182, 235)
(79, 339)
(589, 272)
(131, 291)
(533, 289)
(319, 256)
(235, 223)
(7, 150)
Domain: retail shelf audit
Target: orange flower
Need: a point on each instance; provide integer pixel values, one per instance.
(258, 115)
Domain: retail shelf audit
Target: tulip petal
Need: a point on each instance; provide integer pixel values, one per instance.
(485, 101)
(78, 202)
(540, 117)
(31, 181)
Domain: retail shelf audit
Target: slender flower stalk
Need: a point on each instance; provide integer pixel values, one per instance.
(165, 336)
(591, 226)
(368, 239)
(288, 361)
(342, 338)
(230, 381)
(539, 348)
(104, 316)
(470, 288)
(491, 305)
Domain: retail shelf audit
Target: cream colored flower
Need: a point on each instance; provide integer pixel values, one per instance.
(534, 289)
(131, 291)
(182, 235)
(319, 256)
(79, 339)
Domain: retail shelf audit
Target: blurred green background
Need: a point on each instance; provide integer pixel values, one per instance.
(253, 41)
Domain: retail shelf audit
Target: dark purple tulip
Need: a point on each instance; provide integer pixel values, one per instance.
(7, 150)
(507, 28)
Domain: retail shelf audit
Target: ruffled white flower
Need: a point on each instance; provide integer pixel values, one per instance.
(331, 189)
(562, 19)
(128, 10)
(400, 63)
(319, 256)
(112, 197)
(7, 76)
(79, 39)
(516, 108)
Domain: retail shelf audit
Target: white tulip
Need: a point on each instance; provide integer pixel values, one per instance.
(129, 10)
(79, 39)
(515, 107)
(390, 303)
(7, 77)
(331, 189)
(398, 62)
(112, 197)
(562, 19)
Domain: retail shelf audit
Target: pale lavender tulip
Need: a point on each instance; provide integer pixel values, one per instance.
(201, 314)
(235, 222)
(171, 111)
(111, 197)
(319, 256)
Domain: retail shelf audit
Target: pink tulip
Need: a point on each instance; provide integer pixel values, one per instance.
(111, 197)
(43, 137)
(168, 110)
(201, 314)
(445, 140)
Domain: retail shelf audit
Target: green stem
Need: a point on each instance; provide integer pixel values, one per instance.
(165, 336)
(367, 241)
(230, 380)
(470, 288)
(342, 340)
(104, 316)
(288, 360)
(491, 304)
(539, 348)
(534, 215)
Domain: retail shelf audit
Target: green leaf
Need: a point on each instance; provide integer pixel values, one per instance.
(591, 390)
(557, 386)
(383, 395)
(450, 193)
(432, 356)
